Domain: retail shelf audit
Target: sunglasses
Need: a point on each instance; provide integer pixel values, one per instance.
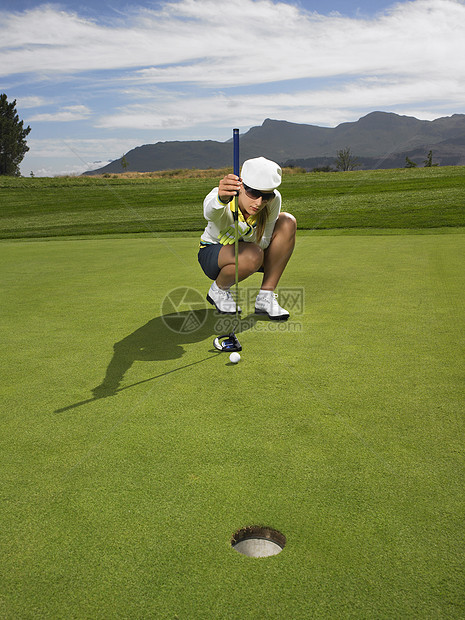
(255, 193)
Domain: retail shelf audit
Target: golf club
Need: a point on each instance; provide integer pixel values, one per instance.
(229, 342)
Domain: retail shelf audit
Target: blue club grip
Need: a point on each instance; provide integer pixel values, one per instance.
(236, 151)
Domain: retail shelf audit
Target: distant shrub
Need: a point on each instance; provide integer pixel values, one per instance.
(428, 163)
(345, 160)
(324, 169)
(294, 170)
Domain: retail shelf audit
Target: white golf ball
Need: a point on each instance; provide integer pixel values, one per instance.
(234, 357)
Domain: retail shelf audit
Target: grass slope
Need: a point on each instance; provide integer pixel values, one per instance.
(406, 199)
(344, 431)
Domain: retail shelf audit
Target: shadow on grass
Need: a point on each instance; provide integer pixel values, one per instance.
(162, 339)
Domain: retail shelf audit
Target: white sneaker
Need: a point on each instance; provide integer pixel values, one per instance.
(222, 300)
(267, 303)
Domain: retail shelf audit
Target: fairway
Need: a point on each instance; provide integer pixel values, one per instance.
(132, 450)
(420, 198)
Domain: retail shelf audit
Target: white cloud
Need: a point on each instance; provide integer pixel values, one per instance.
(31, 102)
(191, 41)
(326, 106)
(65, 114)
(52, 156)
(66, 169)
(85, 150)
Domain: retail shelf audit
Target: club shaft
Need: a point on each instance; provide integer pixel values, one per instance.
(236, 217)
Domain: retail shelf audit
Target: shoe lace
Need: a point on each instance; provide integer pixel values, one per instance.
(274, 300)
(226, 294)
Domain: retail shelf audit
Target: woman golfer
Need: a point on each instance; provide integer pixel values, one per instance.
(266, 236)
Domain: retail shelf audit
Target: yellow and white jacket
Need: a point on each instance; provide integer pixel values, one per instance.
(220, 217)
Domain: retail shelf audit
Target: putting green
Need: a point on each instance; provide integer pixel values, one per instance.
(132, 451)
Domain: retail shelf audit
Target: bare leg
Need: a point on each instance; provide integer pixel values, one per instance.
(279, 251)
(250, 260)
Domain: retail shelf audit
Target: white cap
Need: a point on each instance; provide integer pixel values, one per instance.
(262, 174)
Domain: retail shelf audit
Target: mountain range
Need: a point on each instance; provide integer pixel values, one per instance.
(378, 140)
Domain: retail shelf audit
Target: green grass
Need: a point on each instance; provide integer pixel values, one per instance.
(388, 199)
(345, 432)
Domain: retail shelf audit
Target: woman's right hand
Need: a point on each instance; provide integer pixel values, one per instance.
(229, 187)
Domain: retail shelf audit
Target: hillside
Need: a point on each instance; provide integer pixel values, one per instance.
(379, 140)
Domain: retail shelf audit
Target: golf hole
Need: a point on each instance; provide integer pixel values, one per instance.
(256, 541)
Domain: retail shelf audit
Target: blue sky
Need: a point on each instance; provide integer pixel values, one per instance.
(95, 79)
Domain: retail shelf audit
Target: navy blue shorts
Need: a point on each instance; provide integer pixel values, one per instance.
(208, 259)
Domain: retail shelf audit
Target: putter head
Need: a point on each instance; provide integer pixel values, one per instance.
(227, 343)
